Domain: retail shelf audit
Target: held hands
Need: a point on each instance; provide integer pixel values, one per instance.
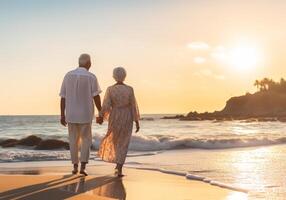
(63, 120)
(99, 120)
(137, 126)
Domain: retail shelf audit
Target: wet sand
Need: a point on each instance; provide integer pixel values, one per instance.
(55, 182)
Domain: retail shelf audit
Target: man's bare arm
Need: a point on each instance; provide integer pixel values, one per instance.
(97, 102)
(63, 108)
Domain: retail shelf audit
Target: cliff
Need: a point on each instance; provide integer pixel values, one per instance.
(261, 106)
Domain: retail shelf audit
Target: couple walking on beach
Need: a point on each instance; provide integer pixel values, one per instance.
(79, 92)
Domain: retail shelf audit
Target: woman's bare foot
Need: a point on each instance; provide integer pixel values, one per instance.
(82, 169)
(118, 170)
(83, 172)
(119, 174)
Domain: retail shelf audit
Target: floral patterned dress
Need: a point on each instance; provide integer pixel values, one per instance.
(120, 109)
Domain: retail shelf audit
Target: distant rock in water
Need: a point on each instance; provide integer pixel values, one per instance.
(147, 119)
(52, 144)
(8, 143)
(282, 119)
(37, 142)
(173, 117)
(31, 140)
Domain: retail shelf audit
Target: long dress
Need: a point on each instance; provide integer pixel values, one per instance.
(120, 109)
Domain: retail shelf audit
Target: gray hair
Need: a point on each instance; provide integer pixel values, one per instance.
(83, 59)
(119, 74)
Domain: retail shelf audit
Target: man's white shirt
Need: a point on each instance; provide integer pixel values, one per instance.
(78, 88)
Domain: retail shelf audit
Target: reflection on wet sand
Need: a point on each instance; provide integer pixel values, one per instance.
(108, 187)
(69, 186)
(114, 189)
(101, 186)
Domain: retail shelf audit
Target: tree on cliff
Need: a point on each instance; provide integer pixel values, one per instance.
(257, 84)
(267, 84)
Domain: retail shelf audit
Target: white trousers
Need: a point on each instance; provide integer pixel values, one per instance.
(80, 138)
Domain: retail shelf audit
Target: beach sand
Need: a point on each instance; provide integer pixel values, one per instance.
(54, 182)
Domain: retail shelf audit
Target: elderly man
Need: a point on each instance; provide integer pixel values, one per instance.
(79, 89)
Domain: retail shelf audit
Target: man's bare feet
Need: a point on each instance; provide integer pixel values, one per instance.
(75, 169)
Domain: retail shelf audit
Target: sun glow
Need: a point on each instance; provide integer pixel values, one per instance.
(244, 57)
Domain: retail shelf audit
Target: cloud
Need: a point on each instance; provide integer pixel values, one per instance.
(219, 48)
(219, 77)
(219, 53)
(199, 60)
(198, 46)
(207, 73)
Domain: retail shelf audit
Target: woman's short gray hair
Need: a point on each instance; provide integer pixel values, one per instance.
(119, 74)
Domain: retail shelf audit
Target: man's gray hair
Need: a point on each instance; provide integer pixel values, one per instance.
(119, 74)
(83, 59)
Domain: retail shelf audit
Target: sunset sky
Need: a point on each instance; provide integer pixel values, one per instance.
(180, 55)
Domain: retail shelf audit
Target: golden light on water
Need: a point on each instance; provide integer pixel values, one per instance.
(237, 196)
(245, 162)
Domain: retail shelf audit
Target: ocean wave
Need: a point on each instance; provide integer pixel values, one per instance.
(156, 143)
(18, 155)
(141, 142)
(25, 155)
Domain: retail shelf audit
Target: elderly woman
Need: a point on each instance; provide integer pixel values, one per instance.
(120, 109)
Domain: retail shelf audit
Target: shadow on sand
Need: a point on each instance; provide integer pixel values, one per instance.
(69, 186)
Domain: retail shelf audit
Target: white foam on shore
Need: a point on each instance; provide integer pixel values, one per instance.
(192, 177)
(231, 187)
(20, 155)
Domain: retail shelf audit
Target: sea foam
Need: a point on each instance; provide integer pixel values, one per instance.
(192, 177)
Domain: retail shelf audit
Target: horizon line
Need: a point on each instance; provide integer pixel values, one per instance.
(4, 115)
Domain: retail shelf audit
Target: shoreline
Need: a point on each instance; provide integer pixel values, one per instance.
(137, 184)
(39, 169)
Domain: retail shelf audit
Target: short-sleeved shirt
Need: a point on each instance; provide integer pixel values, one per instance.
(78, 88)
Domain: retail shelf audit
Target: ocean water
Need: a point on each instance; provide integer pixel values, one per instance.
(247, 156)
